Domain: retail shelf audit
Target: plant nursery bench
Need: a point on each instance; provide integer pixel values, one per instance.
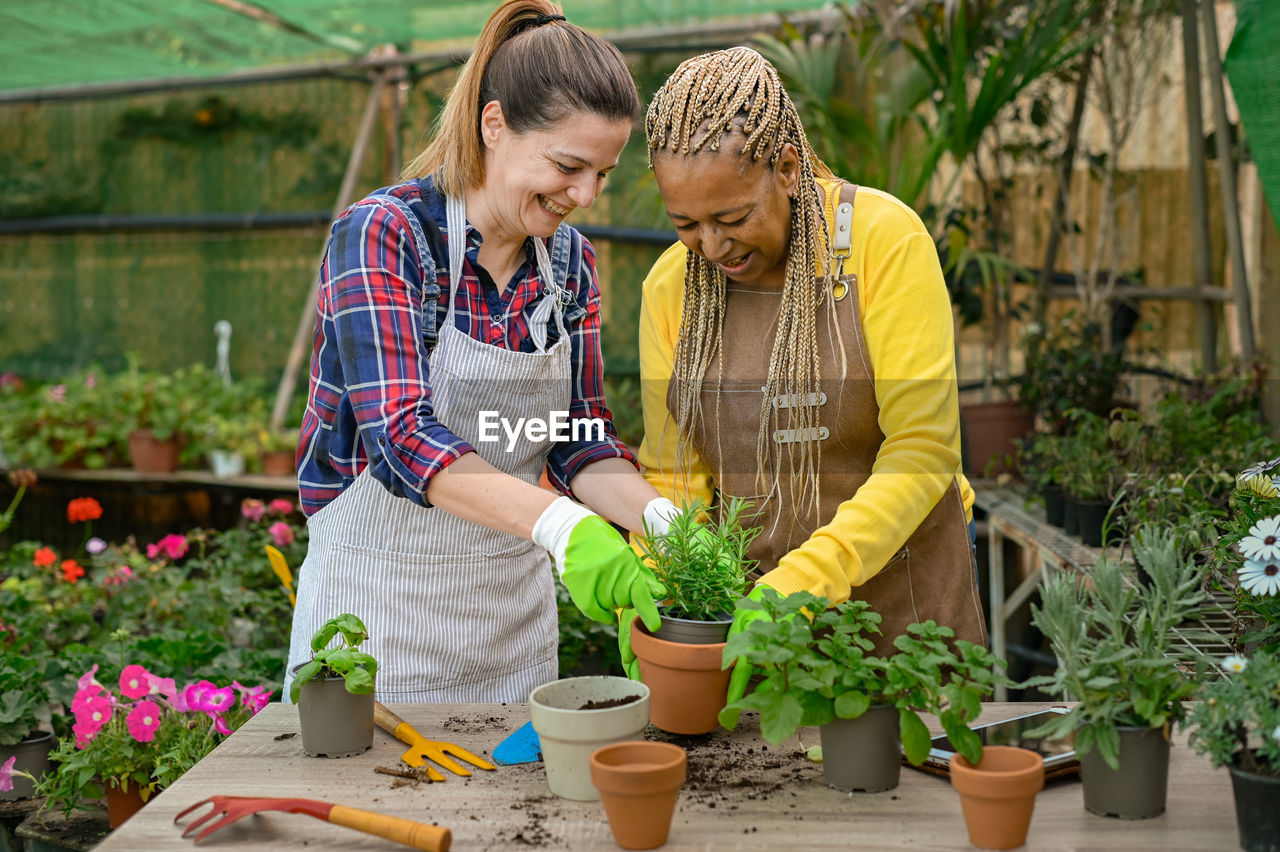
(1044, 549)
(741, 793)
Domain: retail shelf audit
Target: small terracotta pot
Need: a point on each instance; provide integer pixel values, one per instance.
(998, 795)
(639, 783)
(687, 685)
(122, 804)
(279, 463)
(149, 454)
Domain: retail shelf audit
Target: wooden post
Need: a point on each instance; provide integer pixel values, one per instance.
(1203, 269)
(306, 320)
(1227, 173)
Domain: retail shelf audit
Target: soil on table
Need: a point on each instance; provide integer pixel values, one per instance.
(610, 702)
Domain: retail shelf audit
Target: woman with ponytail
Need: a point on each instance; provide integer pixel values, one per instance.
(796, 351)
(457, 356)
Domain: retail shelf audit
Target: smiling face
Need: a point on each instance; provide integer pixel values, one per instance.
(733, 212)
(534, 180)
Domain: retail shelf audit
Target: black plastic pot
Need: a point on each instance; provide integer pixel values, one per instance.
(1054, 498)
(1070, 525)
(1140, 787)
(862, 755)
(334, 722)
(1090, 516)
(1257, 810)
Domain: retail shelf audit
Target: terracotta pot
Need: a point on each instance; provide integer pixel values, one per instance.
(988, 431)
(687, 684)
(1139, 788)
(334, 722)
(862, 755)
(1257, 810)
(33, 757)
(998, 795)
(122, 804)
(639, 783)
(279, 463)
(149, 454)
(569, 732)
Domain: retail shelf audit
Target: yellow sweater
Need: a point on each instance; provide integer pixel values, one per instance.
(907, 320)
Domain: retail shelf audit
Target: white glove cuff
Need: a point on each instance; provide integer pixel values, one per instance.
(553, 526)
(659, 514)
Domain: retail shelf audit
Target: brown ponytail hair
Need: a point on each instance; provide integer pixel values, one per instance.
(540, 70)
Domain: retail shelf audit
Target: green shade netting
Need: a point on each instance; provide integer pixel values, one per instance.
(1253, 66)
(75, 42)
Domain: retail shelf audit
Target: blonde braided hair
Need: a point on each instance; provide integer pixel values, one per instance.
(737, 91)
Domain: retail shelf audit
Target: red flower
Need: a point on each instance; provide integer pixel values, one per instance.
(45, 557)
(71, 570)
(83, 509)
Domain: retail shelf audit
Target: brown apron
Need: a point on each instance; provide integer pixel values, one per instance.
(931, 575)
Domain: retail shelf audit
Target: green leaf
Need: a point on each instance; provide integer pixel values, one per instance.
(781, 718)
(851, 705)
(915, 737)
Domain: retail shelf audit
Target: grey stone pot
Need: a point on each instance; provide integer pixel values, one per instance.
(334, 722)
(689, 632)
(33, 757)
(1139, 788)
(862, 755)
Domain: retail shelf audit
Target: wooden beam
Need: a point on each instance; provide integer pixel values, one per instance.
(1201, 263)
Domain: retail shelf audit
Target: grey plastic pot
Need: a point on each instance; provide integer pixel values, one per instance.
(862, 755)
(1257, 810)
(686, 631)
(1140, 787)
(33, 757)
(334, 722)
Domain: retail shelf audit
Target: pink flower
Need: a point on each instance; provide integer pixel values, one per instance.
(93, 713)
(143, 720)
(135, 681)
(252, 509)
(87, 679)
(254, 698)
(6, 774)
(91, 381)
(220, 725)
(219, 700)
(281, 534)
(58, 393)
(172, 546)
(280, 506)
(196, 696)
(162, 686)
(95, 546)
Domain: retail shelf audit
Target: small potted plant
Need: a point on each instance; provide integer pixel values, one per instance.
(130, 744)
(1121, 660)
(279, 450)
(822, 672)
(24, 712)
(702, 566)
(1237, 724)
(334, 690)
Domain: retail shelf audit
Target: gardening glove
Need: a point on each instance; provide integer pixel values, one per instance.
(657, 518)
(596, 565)
(742, 670)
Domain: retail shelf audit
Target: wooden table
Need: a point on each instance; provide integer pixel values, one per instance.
(741, 794)
(1045, 550)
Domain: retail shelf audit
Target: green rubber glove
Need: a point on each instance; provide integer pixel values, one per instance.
(597, 566)
(629, 662)
(742, 670)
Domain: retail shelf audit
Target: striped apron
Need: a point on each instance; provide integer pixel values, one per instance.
(456, 612)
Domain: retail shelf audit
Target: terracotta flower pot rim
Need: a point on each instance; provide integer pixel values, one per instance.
(1030, 758)
(675, 655)
(623, 756)
(983, 783)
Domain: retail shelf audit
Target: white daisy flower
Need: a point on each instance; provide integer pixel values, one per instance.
(1260, 578)
(1275, 735)
(1263, 541)
(1234, 664)
(1262, 467)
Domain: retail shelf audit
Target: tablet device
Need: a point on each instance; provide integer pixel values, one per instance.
(1059, 755)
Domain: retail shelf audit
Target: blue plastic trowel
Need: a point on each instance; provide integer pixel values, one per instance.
(522, 746)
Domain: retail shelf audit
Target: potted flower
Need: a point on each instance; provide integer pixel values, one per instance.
(334, 690)
(155, 412)
(278, 448)
(24, 712)
(702, 567)
(1237, 724)
(1248, 554)
(822, 672)
(130, 744)
(1120, 659)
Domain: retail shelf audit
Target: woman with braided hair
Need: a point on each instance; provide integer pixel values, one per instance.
(796, 350)
(451, 305)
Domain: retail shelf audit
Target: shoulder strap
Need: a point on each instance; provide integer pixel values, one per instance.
(842, 230)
